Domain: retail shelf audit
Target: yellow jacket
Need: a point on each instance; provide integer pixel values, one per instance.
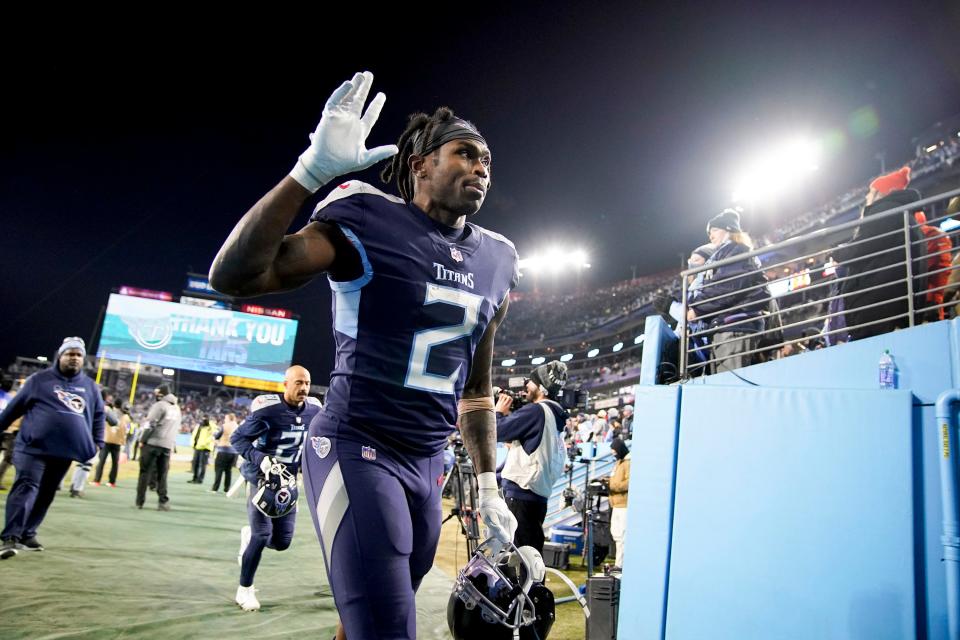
(203, 437)
(620, 482)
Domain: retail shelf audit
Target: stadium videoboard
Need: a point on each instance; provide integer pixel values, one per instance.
(180, 336)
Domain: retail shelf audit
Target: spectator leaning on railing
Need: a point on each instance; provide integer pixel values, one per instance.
(729, 295)
(880, 280)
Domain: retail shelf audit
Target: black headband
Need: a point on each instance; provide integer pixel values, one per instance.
(444, 132)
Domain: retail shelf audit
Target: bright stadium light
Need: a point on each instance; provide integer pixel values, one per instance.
(776, 170)
(509, 362)
(592, 352)
(538, 360)
(638, 340)
(42, 358)
(219, 378)
(617, 347)
(168, 372)
(555, 259)
(567, 357)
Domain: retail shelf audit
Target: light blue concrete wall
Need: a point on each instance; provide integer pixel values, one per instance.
(841, 444)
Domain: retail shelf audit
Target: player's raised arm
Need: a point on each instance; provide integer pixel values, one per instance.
(258, 255)
(479, 428)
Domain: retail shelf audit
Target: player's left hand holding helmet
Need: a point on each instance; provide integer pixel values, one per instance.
(495, 516)
(276, 494)
(498, 594)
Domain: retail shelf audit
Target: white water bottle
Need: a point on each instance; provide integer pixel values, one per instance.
(888, 371)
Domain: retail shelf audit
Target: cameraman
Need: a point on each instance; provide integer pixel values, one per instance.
(537, 453)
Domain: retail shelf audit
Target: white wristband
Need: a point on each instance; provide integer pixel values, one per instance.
(487, 480)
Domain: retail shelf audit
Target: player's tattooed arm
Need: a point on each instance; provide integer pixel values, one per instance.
(260, 257)
(479, 428)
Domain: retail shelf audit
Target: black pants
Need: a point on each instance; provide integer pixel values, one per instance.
(530, 516)
(223, 465)
(200, 459)
(114, 451)
(153, 459)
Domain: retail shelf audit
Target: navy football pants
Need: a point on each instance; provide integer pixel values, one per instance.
(33, 490)
(269, 533)
(378, 519)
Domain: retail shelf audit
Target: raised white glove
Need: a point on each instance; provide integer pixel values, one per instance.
(497, 520)
(338, 146)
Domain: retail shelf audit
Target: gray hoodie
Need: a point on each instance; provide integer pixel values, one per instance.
(164, 423)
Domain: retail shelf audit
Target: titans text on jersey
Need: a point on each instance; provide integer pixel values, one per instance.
(406, 330)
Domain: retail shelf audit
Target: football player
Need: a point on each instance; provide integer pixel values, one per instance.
(418, 293)
(270, 440)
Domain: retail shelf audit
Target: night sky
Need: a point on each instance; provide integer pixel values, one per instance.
(127, 155)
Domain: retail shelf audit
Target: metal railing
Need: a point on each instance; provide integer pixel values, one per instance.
(886, 258)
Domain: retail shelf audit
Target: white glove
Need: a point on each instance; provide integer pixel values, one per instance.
(338, 146)
(266, 465)
(497, 520)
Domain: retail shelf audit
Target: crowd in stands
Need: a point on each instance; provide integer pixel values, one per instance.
(801, 310)
(533, 315)
(196, 406)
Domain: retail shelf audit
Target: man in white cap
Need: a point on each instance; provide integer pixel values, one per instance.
(63, 421)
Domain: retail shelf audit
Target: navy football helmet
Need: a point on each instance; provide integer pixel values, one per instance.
(498, 595)
(277, 492)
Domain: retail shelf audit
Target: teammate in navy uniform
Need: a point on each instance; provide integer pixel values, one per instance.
(63, 421)
(418, 293)
(273, 433)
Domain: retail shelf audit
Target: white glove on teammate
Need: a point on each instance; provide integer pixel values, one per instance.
(338, 146)
(266, 465)
(497, 520)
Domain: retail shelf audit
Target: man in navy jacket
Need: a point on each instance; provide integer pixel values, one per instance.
(63, 421)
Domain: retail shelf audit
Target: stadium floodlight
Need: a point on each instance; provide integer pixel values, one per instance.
(509, 362)
(555, 259)
(567, 357)
(42, 358)
(219, 378)
(617, 347)
(592, 353)
(638, 339)
(538, 360)
(168, 372)
(777, 169)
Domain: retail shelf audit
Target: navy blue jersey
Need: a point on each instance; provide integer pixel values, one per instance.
(406, 330)
(273, 428)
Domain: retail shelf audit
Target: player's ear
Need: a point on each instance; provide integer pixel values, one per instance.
(417, 164)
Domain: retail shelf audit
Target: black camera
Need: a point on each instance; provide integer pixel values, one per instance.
(518, 398)
(573, 399)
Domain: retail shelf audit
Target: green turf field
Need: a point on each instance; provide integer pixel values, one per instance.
(112, 571)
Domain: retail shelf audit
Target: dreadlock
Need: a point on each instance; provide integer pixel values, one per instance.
(399, 167)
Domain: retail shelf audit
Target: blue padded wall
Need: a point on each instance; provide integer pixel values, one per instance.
(928, 361)
(793, 515)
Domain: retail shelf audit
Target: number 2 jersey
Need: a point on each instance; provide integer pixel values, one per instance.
(407, 329)
(273, 428)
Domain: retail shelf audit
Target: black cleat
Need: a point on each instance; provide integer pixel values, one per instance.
(31, 544)
(8, 549)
